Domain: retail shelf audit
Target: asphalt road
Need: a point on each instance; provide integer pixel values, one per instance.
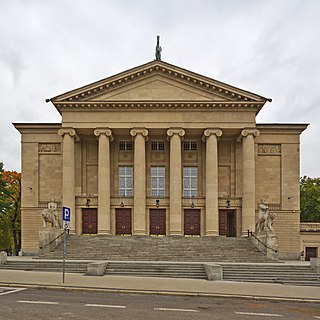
(49, 304)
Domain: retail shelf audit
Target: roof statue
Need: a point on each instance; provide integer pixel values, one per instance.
(158, 49)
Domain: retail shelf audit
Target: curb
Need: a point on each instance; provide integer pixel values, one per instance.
(157, 292)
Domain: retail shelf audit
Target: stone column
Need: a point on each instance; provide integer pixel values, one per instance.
(212, 208)
(68, 174)
(139, 181)
(248, 180)
(175, 221)
(104, 136)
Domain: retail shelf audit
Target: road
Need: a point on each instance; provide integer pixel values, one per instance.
(21, 303)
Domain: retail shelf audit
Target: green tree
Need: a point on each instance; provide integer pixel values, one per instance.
(10, 201)
(310, 199)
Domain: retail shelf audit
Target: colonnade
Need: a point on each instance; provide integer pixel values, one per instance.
(175, 135)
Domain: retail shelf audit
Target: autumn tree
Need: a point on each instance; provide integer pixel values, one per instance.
(10, 200)
(310, 199)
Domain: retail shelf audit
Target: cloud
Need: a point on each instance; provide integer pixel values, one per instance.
(266, 47)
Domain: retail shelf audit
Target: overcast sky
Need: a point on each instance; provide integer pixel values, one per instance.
(269, 47)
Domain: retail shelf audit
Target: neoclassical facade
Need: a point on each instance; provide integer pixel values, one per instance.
(158, 150)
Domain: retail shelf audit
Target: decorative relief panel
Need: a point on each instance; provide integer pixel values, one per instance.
(190, 157)
(274, 149)
(158, 156)
(50, 148)
(125, 156)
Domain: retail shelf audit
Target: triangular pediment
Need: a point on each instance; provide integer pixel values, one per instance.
(157, 81)
(157, 88)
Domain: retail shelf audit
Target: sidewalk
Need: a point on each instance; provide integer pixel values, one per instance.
(126, 284)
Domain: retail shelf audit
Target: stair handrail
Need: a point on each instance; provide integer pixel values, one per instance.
(47, 244)
(251, 233)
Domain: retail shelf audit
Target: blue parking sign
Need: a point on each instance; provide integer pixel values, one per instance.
(66, 214)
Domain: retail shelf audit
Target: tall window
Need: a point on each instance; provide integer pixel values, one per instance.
(158, 180)
(125, 181)
(125, 145)
(190, 182)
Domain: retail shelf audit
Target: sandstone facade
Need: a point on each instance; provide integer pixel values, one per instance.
(160, 150)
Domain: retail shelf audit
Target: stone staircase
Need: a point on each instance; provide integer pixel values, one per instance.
(157, 269)
(271, 273)
(46, 266)
(178, 249)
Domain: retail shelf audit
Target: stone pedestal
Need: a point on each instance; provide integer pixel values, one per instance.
(49, 239)
(315, 264)
(3, 258)
(214, 271)
(267, 242)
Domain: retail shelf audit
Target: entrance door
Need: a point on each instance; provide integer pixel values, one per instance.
(227, 223)
(158, 221)
(192, 222)
(311, 252)
(89, 221)
(123, 221)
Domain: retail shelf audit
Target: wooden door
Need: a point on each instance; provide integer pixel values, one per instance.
(311, 252)
(158, 221)
(227, 223)
(192, 222)
(89, 221)
(123, 221)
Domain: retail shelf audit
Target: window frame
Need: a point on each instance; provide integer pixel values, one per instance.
(125, 191)
(126, 143)
(158, 191)
(190, 191)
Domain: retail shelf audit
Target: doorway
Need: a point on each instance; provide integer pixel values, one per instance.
(158, 222)
(192, 222)
(227, 223)
(123, 221)
(311, 252)
(89, 221)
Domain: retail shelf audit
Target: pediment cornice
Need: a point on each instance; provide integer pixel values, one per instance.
(157, 67)
(158, 105)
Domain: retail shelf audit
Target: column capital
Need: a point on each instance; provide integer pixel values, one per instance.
(246, 132)
(70, 131)
(106, 131)
(135, 131)
(211, 131)
(172, 131)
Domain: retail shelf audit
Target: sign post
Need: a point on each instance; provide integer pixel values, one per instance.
(66, 222)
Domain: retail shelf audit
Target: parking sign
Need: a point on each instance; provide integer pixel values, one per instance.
(66, 214)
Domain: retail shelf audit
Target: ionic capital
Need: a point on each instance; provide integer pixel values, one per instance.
(247, 132)
(143, 131)
(208, 132)
(178, 131)
(70, 131)
(103, 131)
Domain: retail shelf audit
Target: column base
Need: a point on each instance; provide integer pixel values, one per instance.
(176, 233)
(213, 233)
(139, 233)
(104, 232)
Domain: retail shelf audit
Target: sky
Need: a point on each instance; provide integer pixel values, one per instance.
(268, 47)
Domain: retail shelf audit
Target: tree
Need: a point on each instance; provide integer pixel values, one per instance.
(10, 202)
(310, 199)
